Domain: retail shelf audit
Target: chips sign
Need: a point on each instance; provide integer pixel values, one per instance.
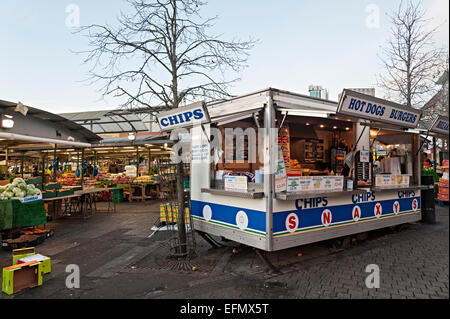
(371, 108)
(186, 116)
(440, 125)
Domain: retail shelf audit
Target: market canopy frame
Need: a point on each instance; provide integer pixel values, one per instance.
(35, 126)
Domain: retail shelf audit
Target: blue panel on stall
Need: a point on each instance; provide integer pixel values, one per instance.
(227, 214)
(343, 213)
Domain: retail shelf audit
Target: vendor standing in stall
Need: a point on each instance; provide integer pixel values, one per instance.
(426, 160)
(113, 169)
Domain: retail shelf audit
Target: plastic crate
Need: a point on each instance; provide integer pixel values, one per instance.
(49, 194)
(65, 193)
(117, 195)
(34, 181)
(52, 186)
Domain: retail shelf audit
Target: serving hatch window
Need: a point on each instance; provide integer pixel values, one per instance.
(314, 149)
(394, 155)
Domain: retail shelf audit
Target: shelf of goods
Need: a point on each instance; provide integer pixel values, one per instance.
(146, 179)
(90, 183)
(69, 181)
(121, 179)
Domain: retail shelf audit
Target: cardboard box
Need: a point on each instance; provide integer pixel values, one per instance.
(21, 276)
(20, 253)
(45, 261)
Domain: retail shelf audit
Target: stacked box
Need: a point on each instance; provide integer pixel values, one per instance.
(117, 196)
(45, 262)
(34, 181)
(21, 253)
(166, 213)
(64, 192)
(52, 186)
(49, 194)
(443, 193)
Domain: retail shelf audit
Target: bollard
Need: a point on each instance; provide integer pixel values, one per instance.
(427, 201)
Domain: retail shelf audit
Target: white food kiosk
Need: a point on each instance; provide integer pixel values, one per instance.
(322, 170)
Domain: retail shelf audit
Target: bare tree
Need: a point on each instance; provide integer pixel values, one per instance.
(161, 56)
(410, 58)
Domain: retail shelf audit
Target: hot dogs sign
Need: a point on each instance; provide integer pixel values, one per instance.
(371, 108)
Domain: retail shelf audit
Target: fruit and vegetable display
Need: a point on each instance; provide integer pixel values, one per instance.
(90, 182)
(122, 179)
(106, 177)
(18, 189)
(69, 181)
(146, 179)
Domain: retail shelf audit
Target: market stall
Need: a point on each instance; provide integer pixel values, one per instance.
(439, 129)
(311, 174)
(24, 131)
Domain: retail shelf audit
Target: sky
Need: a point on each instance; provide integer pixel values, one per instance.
(335, 44)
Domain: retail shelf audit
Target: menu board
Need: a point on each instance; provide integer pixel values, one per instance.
(235, 182)
(364, 156)
(315, 183)
(391, 180)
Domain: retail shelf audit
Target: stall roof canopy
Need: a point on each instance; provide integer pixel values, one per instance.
(254, 102)
(113, 121)
(54, 119)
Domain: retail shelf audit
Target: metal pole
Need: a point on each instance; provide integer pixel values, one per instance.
(269, 176)
(55, 167)
(21, 164)
(434, 154)
(43, 170)
(81, 168)
(149, 162)
(137, 160)
(6, 162)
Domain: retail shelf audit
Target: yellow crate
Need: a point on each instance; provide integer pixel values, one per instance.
(20, 253)
(44, 260)
(171, 214)
(28, 254)
(30, 276)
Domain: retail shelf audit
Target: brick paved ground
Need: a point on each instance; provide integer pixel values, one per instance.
(117, 260)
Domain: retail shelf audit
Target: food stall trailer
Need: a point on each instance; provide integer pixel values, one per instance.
(313, 178)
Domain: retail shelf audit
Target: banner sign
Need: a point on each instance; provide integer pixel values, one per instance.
(186, 116)
(371, 108)
(440, 125)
